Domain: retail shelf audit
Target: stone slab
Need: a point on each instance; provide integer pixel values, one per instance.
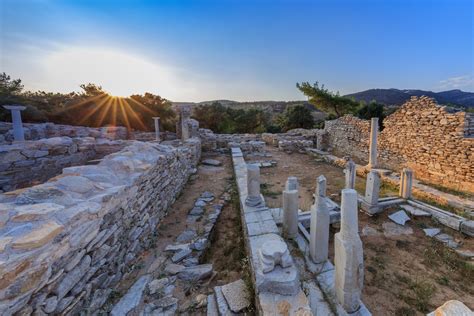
(39, 236)
(132, 298)
(236, 295)
(261, 228)
(258, 216)
(392, 230)
(431, 232)
(399, 217)
(414, 211)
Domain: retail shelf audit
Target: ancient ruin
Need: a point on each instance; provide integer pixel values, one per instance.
(343, 220)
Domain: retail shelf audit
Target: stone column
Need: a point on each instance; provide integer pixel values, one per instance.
(157, 128)
(372, 190)
(290, 214)
(18, 133)
(253, 186)
(348, 256)
(185, 115)
(291, 184)
(406, 183)
(350, 172)
(374, 130)
(319, 227)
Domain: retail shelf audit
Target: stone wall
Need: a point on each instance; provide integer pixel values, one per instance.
(247, 142)
(66, 243)
(49, 130)
(421, 135)
(31, 162)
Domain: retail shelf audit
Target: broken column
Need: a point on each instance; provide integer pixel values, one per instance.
(254, 197)
(291, 184)
(18, 133)
(406, 183)
(319, 228)
(372, 190)
(348, 256)
(290, 211)
(350, 173)
(157, 128)
(374, 130)
(182, 125)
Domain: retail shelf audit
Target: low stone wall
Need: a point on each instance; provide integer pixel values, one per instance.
(50, 130)
(66, 243)
(247, 142)
(31, 162)
(421, 135)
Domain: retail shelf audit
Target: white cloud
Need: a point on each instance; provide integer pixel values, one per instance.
(466, 82)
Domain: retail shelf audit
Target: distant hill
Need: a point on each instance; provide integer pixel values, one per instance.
(396, 97)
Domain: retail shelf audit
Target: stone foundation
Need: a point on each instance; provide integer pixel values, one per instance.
(66, 243)
(31, 162)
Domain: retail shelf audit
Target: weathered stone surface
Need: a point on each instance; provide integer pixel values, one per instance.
(166, 301)
(186, 236)
(393, 230)
(431, 232)
(198, 272)
(399, 217)
(180, 255)
(4, 242)
(73, 277)
(467, 227)
(39, 236)
(34, 212)
(236, 295)
(173, 268)
(212, 162)
(414, 211)
(132, 298)
(157, 285)
(452, 308)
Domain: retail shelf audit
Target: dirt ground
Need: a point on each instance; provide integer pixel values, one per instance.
(226, 252)
(405, 274)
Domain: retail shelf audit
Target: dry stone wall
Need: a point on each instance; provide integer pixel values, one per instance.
(246, 142)
(421, 135)
(31, 162)
(66, 243)
(50, 130)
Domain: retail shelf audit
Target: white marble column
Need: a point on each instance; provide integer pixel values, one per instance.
(18, 133)
(185, 114)
(254, 197)
(319, 227)
(350, 173)
(157, 128)
(374, 130)
(372, 192)
(406, 183)
(348, 257)
(290, 214)
(291, 184)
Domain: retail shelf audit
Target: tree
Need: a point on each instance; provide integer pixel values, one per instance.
(149, 105)
(326, 101)
(297, 116)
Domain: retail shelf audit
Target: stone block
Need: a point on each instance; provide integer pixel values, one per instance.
(132, 298)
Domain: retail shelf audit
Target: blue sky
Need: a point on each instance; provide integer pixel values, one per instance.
(240, 50)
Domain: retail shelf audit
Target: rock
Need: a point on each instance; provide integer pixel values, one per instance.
(132, 298)
(166, 302)
(207, 195)
(236, 295)
(431, 232)
(414, 211)
(222, 306)
(5, 241)
(50, 304)
(198, 272)
(173, 268)
(467, 227)
(73, 277)
(186, 236)
(199, 244)
(212, 306)
(196, 211)
(399, 217)
(392, 230)
(188, 262)
(180, 255)
(369, 231)
(39, 236)
(200, 203)
(212, 162)
(76, 184)
(157, 285)
(178, 247)
(448, 240)
(452, 308)
(468, 254)
(200, 300)
(33, 212)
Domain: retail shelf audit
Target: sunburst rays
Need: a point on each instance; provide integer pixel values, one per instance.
(105, 109)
